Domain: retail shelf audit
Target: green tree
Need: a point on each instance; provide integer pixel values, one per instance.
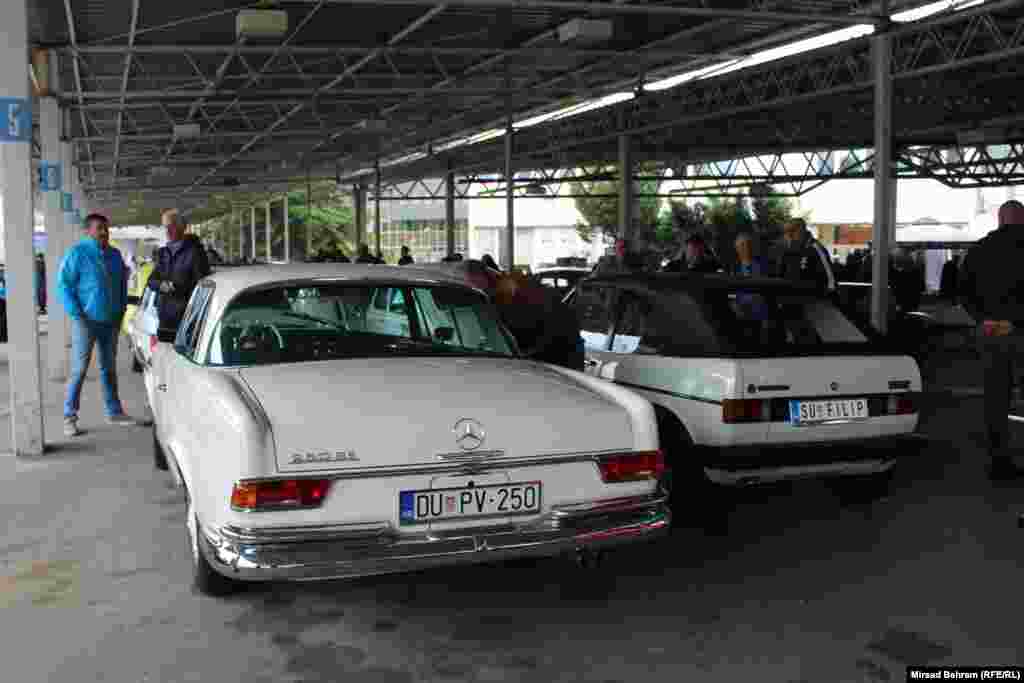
(601, 214)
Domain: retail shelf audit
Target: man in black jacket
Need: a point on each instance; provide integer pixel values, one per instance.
(804, 259)
(992, 287)
(180, 265)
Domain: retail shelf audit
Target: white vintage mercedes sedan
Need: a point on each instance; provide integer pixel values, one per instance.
(332, 421)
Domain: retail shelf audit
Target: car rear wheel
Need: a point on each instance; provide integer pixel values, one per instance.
(692, 496)
(866, 488)
(205, 578)
(159, 457)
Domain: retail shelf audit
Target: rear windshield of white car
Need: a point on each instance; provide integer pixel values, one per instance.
(311, 322)
(773, 323)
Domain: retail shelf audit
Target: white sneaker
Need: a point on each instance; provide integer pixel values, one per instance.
(121, 419)
(71, 427)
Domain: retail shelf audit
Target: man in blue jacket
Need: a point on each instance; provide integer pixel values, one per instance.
(93, 288)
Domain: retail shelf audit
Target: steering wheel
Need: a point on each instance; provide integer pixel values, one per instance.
(260, 331)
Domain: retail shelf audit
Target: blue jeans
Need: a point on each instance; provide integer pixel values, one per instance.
(84, 335)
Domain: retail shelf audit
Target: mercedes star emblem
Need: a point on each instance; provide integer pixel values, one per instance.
(469, 434)
(835, 386)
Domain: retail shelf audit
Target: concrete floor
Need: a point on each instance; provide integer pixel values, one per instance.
(94, 578)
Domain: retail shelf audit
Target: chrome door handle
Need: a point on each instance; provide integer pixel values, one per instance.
(161, 387)
(590, 363)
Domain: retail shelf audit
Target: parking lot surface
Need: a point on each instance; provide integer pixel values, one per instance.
(805, 586)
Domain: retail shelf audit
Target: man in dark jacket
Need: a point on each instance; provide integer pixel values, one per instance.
(804, 259)
(406, 258)
(696, 258)
(545, 329)
(180, 265)
(992, 287)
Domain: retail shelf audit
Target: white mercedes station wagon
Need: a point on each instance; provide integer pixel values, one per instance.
(333, 421)
(754, 380)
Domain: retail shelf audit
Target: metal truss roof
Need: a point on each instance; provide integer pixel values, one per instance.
(298, 109)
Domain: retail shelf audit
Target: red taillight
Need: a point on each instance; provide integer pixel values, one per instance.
(153, 339)
(280, 494)
(736, 410)
(631, 466)
(902, 404)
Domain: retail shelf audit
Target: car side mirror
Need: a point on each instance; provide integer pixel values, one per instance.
(134, 300)
(445, 334)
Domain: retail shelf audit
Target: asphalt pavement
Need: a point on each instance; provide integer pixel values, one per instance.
(805, 587)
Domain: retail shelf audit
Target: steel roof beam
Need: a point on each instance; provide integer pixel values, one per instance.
(164, 95)
(348, 72)
(461, 51)
(124, 83)
(78, 73)
(576, 6)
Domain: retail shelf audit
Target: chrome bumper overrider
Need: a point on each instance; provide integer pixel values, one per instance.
(329, 552)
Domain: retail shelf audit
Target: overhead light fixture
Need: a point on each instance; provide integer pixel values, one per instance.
(183, 131)
(585, 31)
(261, 24)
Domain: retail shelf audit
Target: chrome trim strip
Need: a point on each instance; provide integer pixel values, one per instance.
(445, 467)
(346, 551)
(840, 421)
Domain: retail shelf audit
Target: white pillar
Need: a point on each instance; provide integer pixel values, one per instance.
(16, 188)
(68, 232)
(252, 230)
(287, 233)
(56, 230)
(241, 236)
(885, 177)
(508, 255)
(449, 209)
(270, 252)
(627, 226)
(376, 202)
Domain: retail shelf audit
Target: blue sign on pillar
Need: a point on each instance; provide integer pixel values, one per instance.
(16, 125)
(49, 176)
(67, 202)
(78, 216)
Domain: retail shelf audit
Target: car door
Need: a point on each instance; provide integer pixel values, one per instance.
(594, 304)
(177, 391)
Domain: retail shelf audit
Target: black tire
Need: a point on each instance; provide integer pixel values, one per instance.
(159, 457)
(694, 499)
(205, 579)
(861, 489)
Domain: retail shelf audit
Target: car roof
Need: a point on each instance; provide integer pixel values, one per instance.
(229, 282)
(669, 282)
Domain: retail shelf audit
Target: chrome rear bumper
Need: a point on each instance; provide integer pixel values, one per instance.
(346, 551)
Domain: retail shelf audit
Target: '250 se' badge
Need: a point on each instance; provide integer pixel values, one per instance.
(323, 456)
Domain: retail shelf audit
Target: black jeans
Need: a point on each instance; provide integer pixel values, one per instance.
(1002, 358)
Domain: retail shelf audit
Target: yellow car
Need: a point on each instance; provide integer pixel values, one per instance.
(136, 288)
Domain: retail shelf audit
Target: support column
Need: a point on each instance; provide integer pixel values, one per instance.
(449, 209)
(252, 230)
(16, 186)
(376, 202)
(508, 255)
(56, 229)
(287, 232)
(885, 176)
(69, 231)
(270, 250)
(626, 194)
(359, 199)
(241, 236)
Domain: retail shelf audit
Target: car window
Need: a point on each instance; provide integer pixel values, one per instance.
(593, 305)
(289, 324)
(636, 330)
(192, 322)
(770, 322)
